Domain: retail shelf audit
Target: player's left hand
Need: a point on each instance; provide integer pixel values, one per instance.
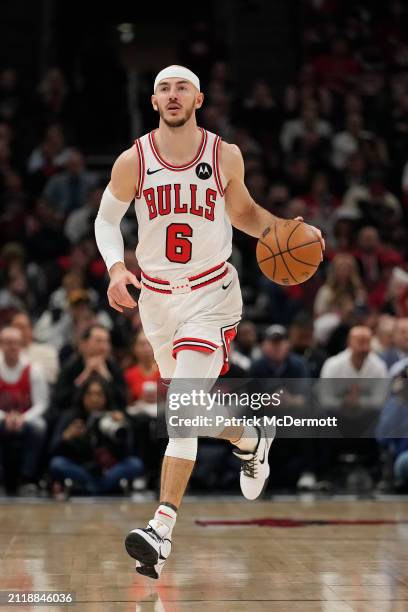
(317, 232)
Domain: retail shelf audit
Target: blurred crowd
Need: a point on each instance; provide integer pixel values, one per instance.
(78, 381)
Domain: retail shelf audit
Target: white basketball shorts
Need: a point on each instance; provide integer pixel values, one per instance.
(199, 313)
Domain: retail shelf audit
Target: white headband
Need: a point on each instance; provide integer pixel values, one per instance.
(177, 71)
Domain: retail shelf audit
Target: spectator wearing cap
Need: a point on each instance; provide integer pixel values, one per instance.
(36, 352)
(277, 360)
(23, 402)
(59, 327)
(93, 357)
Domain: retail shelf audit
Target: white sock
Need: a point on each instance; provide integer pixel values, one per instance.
(248, 440)
(164, 521)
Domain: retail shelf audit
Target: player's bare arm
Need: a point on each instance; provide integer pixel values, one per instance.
(245, 214)
(115, 201)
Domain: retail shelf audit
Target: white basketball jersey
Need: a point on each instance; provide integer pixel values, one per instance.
(183, 225)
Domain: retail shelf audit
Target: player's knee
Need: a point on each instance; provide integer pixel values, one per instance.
(182, 448)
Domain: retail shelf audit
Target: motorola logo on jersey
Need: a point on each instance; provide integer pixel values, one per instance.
(203, 171)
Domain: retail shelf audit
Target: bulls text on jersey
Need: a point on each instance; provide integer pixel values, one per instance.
(163, 200)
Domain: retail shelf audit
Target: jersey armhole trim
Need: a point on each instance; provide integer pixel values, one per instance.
(216, 167)
(140, 181)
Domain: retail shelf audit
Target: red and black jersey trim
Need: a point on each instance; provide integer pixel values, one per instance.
(209, 276)
(228, 333)
(194, 344)
(139, 149)
(192, 163)
(216, 166)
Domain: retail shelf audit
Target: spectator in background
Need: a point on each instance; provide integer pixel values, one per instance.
(308, 132)
(69, 190)
(15, 294)
(337, 69)
(45, 355)
(346, 143)
(383, 338)
(53, 102)
(372, 257)
(91, 444)
(93, 357)
(392, 429)
(343, 280)
(362, 373)
(71, 281)
(45, 240)
(144, 370)
(47, 159)
(246, 347)
(373, 205)
(23, 402)
(302, 343)
(399, 350)
(321, 205)
(81, 220)
(395, 300)
(60, 328)
(278, 362)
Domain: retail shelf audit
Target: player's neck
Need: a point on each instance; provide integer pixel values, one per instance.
(178, 145)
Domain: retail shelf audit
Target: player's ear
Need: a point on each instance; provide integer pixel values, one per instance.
(199, 100)
(154, 103)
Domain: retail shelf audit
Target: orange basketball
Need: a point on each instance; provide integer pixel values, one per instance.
(288, 252)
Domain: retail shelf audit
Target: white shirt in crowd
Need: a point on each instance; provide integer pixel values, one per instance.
(39, 387)
(44, 355)
(341, 375)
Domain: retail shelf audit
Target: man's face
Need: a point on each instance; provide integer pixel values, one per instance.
(301, 338)
(360, 343)
(276, 349)
(98, 344)
(176, 100)
(22, 322)
(247, 335)
(11, 343)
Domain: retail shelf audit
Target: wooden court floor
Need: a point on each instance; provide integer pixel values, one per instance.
(78, 546)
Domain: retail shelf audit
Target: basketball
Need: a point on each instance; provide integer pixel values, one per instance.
(288, 252)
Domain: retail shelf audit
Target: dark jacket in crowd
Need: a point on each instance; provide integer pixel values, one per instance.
(105, 442)
(65, 388)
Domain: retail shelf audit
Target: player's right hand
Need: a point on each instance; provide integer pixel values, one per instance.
(118, 295)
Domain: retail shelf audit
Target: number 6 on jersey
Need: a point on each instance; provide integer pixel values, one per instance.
(178, 245)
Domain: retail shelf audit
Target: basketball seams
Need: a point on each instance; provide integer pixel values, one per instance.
(305, 263)
(267, 246)
(300, 246)
(283, 259)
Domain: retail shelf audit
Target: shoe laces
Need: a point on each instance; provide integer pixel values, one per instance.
(249, 467)
(153, 533)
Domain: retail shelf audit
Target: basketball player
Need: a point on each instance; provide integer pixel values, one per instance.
(189, 190)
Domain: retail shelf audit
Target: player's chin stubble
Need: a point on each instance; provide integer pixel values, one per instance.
(178, 122)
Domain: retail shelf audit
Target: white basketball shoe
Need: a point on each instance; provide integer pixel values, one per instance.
(150, 548)
(255, 466)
